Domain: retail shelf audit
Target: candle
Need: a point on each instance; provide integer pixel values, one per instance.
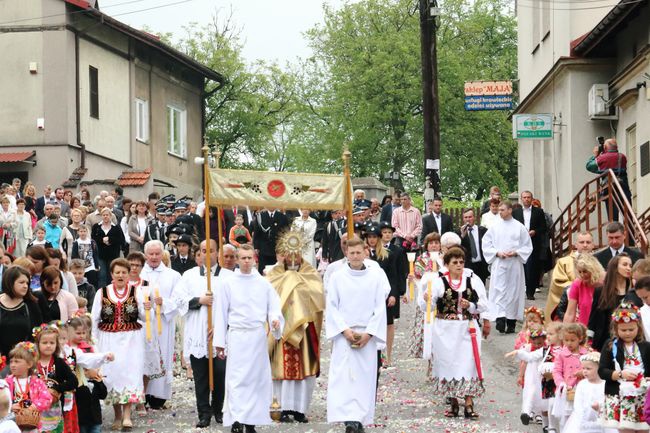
(411, 258)
(429, 301)
(158, 320)
(147, 319)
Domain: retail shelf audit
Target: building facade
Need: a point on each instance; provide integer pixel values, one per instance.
(96, 102)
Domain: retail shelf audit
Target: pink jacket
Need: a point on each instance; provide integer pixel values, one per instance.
(566, 365)
(38, 393)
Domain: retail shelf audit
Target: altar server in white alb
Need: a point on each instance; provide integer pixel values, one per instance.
(194, 285)
(245, 304)
(507, 246)
(162, 283)
(356, 325)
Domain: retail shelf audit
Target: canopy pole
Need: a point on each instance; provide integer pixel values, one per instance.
(208, 265)
(348, 191)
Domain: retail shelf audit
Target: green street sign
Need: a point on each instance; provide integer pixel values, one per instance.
(532, 126)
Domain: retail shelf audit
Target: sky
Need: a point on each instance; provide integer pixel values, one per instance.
(270, 29)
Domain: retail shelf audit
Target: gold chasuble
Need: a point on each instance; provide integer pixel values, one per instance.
(562, 276)
(297, 355)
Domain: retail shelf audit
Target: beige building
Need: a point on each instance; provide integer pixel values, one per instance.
(91, 101)
(565, 49)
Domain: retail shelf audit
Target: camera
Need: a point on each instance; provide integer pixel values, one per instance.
(601, 144)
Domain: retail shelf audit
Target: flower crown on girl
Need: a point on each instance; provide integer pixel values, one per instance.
(28, 346)
(534, 310)
(591, 357)
(538, 332)
(626, 313)
(44, 327)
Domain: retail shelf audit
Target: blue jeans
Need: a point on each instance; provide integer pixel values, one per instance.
(90, 428)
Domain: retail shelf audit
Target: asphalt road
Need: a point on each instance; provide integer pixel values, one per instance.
(405, 403)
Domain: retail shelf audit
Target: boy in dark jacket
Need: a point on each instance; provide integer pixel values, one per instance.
(86, 290)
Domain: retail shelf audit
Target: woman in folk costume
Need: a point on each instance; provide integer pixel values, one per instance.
(115, 315)
(430, 261)
(458, 300)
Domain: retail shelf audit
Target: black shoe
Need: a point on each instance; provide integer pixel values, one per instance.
(300, 417)
(250, 428)
(511, 326)
(203, 423)
(501, 324)
(353, 427)
(525, 418)
(531, 297)
(218, 417)
(237, 427)
(284, 417)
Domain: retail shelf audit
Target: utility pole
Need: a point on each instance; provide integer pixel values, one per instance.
(430, 104)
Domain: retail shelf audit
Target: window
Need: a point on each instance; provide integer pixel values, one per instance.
(176, 119)
(644, 156)
(93, 84)
(141, 120)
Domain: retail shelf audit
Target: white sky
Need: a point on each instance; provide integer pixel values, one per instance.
(270, 29)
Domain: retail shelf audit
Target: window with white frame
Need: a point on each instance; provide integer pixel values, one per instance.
(142, 120)
(176, 131)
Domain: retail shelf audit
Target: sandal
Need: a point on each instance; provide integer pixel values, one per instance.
(453, 411)
(117, 425)
(469, 412)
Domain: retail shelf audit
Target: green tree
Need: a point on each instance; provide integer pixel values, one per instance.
(362, 87)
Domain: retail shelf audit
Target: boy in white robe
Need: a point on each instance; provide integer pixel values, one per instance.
(507, 246)
(356, 324)
(245, 303)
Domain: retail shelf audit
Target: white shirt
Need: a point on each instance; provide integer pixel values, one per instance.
(618, 251)
(527, 213)
(474, 233)
(438, 218)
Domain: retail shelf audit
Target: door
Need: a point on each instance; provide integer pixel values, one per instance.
(630, 140)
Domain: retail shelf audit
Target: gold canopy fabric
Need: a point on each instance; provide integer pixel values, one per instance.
(562, 276)
(276, 189)
(302, 300)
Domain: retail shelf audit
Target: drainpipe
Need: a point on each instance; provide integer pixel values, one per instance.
(78, 100)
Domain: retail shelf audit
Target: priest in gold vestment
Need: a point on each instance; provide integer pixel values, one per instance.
(563, 272)
(295, 358)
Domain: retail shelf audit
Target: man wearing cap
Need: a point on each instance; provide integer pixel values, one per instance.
(331, 240)
(183, 261)
(155, 229)
(193, 220)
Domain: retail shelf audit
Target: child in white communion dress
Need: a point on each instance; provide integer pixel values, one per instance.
(589, 397)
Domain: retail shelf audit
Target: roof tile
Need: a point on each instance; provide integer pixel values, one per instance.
(134, 177)
(16, 156)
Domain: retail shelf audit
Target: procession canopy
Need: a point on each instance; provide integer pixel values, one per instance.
(262, 189)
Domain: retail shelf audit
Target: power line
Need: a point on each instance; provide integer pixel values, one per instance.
(105, 7)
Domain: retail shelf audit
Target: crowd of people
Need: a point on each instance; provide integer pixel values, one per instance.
(100, 293)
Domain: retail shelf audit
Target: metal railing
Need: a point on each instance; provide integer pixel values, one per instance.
(589, 211)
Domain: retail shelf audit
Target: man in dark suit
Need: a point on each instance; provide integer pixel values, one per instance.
(331, 239)
(268, 226)
(534, 220)
(39, 206)
(471, 239)
(387, 210)
(616, 245)
(436, 220)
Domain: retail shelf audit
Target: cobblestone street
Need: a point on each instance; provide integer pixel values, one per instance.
(405, 400)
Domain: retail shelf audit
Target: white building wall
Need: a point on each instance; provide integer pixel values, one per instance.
(110, 135)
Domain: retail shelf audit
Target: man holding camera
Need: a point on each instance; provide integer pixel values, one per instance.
(606, 156)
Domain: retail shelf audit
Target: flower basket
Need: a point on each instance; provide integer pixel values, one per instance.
(28, 418)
